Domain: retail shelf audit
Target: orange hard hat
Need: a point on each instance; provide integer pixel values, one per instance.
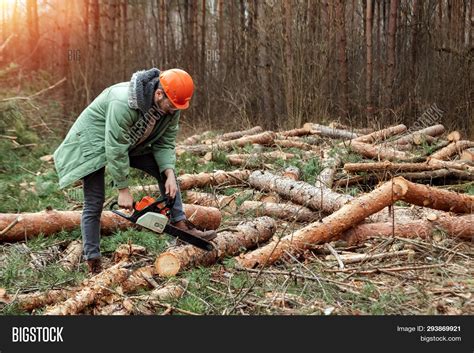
(178, 86)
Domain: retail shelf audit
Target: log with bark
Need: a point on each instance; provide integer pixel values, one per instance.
(452, 149)
(417, 137)
(388, 166)
(292, 133)
(265, 138)
(380, 135)
(92, 289)
(72, 255)
(327, 131)
(378, 151)
(50, 222)
(297, 144)
(460, 227)
(300, 192)
(326, 177)
(292, 172)
(256, 159)
(234, 135)
(189, 181)
(194, 139)
(247, 235)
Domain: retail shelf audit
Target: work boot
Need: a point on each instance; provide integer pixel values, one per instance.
(192, 229)
(94, 266)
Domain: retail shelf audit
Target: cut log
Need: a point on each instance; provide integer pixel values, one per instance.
(454, 136)
(293, 132)
(360, 131)
(125, 251)
(388, 166)
(297, 144)
(326, 177)
(329, 228)
(299, 192)
(192, 140)
(417, 137)
(452, 149)
(247, 235)
(460, 227)
(293, 173)
(50, 222)
(31, 301)
(468, 155)
(327, 131)
(72, 255)
(380, 135)
(265, 138)
(351, 259)
(189, 181)
(289, 212)
(378, 152)
(140, 278)
(256, 159)
(444, 200)
(92, 289)
(235, 135)
(168, 292)
(461, 165)
(211, 200)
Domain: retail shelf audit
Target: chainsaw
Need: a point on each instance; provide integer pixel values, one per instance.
(155, 215)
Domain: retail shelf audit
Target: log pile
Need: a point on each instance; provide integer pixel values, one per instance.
(297, 192)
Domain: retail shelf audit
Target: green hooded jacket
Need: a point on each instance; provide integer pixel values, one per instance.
(101, 136)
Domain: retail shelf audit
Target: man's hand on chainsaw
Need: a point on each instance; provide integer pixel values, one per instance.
(171, 188)
(125, 199)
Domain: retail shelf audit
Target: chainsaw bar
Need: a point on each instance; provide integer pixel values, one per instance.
(188, 238)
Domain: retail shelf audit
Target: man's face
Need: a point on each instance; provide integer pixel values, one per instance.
(163, 103)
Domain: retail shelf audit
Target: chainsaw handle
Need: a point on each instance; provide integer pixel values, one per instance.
(121, 214)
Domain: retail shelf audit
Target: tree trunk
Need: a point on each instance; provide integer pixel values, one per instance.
(247, 235)
(416, 136)
(238, 134)
(387, 166)
(342, 57)
(92, 289)
(299, 192)
(369, 56)
(378, 152)
(380, 135)
(72, 255)
(50, 222)
(452, 149)
(317, 129)
(460, 227)
(391, 53)
(256, 159)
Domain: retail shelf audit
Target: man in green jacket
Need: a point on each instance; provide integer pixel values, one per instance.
(130, 124)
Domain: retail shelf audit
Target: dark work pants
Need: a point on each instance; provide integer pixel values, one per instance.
(94, 197)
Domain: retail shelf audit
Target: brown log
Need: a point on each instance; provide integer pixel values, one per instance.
(189, 181)
(91, 290)
(452, 149)
(285, 211)
(72, 255)
(427, 196)
(378, 152)
(468, 155)
(300, 192)
(329, 227)
(297, 144)
(50, 222)
(194, 139)
(257, 159)
(235, 135)
(31, 301)
(326, 177)
(265, 138)
(380, 135)
(461, 227)
(125, 251)
(404, 214)
(461, 165)
(387, 166)
(360, 131)
(292, 172)
(293, 132)
(327, 131)
(211, 200)
(454, 136)
(247, 235)
(418, 136)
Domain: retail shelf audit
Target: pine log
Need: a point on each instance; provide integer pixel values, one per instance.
(326, 177)
(285, 211)
(211, 200)
(194, 139)
(327, 131)
(360, 131)
(454, 136)
(297, 144)
(388, 166)
(293, 132)
(265, 138)
(378, 152)
(329, 228)
(189, 181)
(380, 135)
(468, 155)
(50, 222)
(300, 192)
(72, 255)
(247, 235)
(257, 159)
(31, 301)
(461, 227)
(292, 172)
(416, 137)
(461, 165)
(452, 149)
(235, 135)
(91, 290)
